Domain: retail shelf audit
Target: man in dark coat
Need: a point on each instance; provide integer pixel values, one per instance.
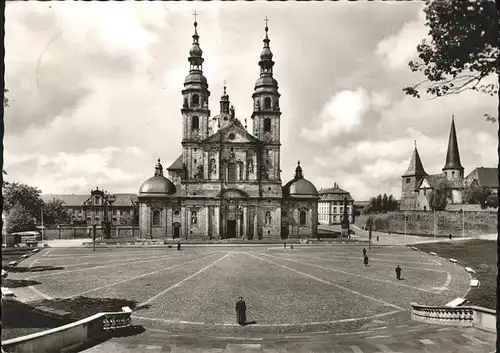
(241, 311)
(284, 245)
(178, 245)
(365, 261)
(364, 252)
(398, 272)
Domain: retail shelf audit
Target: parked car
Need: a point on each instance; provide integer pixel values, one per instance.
(29, 238)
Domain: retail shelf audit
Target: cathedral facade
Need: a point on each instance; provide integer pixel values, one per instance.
(227, 181)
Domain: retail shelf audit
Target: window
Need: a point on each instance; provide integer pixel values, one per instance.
(195, 123)
(177, 212)
(97, 200)
(156, 218)
(267, 102)
(195, 101)
(341, 209)
(231, 173)
(425, 191)
(303, 215)
(267, 125)
(453, 173)
(408, 180)
(335, 210)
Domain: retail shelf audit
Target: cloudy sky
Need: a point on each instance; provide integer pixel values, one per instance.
(95, 90)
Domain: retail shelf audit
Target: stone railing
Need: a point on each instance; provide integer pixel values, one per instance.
(457, 316)
(71, 335)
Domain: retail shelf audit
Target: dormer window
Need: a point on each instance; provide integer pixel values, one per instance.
(97, 200)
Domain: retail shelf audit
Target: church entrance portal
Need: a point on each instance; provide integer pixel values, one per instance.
(177, 230)
(231, 229)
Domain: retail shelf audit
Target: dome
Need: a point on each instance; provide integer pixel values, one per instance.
(195, 78)
(266, 54)
(196, 50)
(299, 187)
(266, 81)
(156, 186)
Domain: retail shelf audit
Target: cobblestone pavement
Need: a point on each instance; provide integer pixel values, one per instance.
(399, 339)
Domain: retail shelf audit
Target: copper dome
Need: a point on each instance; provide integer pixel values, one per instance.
(157, 186)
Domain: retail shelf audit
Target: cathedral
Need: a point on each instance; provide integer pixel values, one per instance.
(227, 181)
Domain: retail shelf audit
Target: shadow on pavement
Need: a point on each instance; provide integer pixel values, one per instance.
(34, 269)
(18, 283)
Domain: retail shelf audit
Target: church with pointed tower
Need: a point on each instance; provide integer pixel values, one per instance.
(416, 183)
(227, 183)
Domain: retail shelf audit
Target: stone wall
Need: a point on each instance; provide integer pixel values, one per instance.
(422, 223)
(83, 232)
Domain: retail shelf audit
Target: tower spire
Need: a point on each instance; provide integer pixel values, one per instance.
(195, 54)
(224, 101)
(266, 62)
(415, 168)
(453, 154)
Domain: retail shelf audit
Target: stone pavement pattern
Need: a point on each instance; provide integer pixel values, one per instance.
(402, 339)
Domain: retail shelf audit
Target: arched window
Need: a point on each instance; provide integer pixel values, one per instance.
(195, 123)
(303, 218)
(156, 218)
(195, 100)
(231, 173)
(267, 125)
(267, 102)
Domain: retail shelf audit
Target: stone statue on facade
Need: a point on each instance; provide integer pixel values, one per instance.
(213, 166)
(250, 165)
(194, 218)
(185, 102)
(199, 175)
(268, 218)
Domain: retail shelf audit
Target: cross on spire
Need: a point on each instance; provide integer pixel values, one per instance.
(266, 19)
(195, 14)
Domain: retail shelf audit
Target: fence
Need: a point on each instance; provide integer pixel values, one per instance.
(64, 232)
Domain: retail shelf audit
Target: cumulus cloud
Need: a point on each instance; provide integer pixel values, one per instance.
(95, 91)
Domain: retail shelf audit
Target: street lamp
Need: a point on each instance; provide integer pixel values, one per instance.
(406, 218)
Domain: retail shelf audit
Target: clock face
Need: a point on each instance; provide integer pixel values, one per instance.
(268, 137)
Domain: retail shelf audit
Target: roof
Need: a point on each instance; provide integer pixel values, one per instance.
(435, 179)
(416, 167)
(177, 165)
(453, 155)
(157, 185)
(486, 177)
(361, 203)
(77, 200)
(334, 190)
(300, 188)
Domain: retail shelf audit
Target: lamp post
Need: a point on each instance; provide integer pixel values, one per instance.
(405, 228)
(434, 223)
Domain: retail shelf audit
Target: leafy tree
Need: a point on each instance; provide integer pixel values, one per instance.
(478, 195)
(25, 195)
(19, 219)
(54, 212)
(492, 201)
(379, 203)
(438, 197)
(463, 51)
(385, 203)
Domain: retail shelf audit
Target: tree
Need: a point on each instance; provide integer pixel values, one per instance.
(463, 50)
(54, 212)
(478, 195)
(385, 203)
(492, 201)
(19, 219)
(438, 196)
(379, 203)
(25, 195)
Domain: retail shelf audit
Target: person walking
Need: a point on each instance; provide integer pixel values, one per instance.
(241, 311)
(398, 272)
(377, 236)
(179, 245)
(364, 252)
(284, 245)
(365, 260)
(450, 236)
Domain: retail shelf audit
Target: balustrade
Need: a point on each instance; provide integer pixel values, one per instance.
(113, 321)
(446, 315)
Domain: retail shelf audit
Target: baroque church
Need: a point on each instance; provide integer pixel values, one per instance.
(227, 181)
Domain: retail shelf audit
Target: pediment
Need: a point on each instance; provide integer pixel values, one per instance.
(231, 133)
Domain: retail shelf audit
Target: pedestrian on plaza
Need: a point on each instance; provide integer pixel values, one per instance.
(179, 245)
(364, 252)
(450, 236)
(398, 272)
(365, 261)
(284, 245)
(241, 311)
(377, 236)
(389, 233)
(291, 246)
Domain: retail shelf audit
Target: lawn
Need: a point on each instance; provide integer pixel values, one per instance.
(481, 256)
